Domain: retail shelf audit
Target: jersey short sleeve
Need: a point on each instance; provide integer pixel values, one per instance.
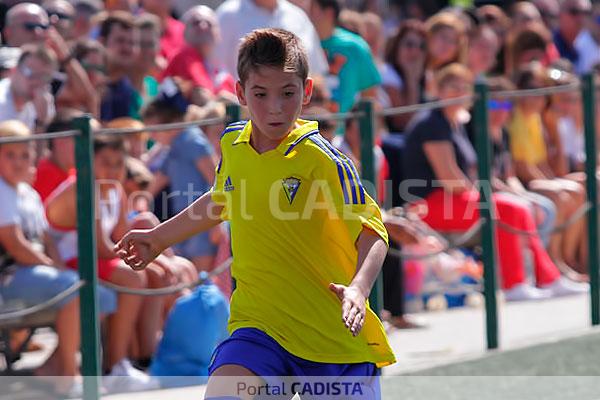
(352, 202)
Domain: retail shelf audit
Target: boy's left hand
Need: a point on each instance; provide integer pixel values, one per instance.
(353, 306)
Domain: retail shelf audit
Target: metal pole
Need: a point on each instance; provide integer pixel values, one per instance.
(368, 174)
(589, 110)
(233, 113)
(90, 334)
(486, 212)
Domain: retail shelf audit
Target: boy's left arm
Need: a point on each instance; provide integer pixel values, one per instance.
(372, 250)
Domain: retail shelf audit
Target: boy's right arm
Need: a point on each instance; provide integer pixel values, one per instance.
(139, 247)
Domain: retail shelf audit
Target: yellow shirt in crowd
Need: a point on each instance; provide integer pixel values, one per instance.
(295, 214)
(527, 141)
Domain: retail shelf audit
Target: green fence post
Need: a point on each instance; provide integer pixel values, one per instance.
(486, 212)
(368, 174)
(233, 113)
(589, 113)
(90, 337)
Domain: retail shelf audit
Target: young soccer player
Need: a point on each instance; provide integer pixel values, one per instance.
(307, 239)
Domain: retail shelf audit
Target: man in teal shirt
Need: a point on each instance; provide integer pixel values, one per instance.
(352, 71)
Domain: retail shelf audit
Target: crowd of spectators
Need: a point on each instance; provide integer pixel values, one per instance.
(133, 63)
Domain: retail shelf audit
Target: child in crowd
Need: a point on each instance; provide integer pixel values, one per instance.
(188, 168)
(31, 270)
(295, 275)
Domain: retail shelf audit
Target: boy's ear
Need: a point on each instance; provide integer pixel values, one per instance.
(239, 91)
(308, 88)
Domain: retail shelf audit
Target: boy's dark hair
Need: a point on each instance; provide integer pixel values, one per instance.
(272, 48)
(123, 19)
(111, 142)
(334, 4)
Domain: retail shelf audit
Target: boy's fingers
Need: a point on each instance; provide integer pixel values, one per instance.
(352, 314)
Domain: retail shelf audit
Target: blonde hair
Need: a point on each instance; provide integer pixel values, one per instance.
(448, 20)
(451, 72)
(14, 128)
(212, 109)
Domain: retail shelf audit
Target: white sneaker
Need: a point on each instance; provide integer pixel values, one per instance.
(566, 287)
(525, 292)
(125, 378)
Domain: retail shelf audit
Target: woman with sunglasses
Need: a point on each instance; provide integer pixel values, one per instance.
(403, 74)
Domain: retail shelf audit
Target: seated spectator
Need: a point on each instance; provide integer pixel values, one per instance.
(195, 62)
(571, 21)
(135, 316)
(25, 94)
(523, 14)
(483, 50)
(171, 40)
(403, 74)
(504, 179)
(26, 23)
(533, 43)
(446, 44)
(86, 12)
(136, 144)
(587, 43)
(213, 133)
(189, 168)
(120, 36)
(438, 152)
(30, 269)
(91, 55)
(61, 15)
(352, 70)
(150, 63)
(59, 165)
(529, 152)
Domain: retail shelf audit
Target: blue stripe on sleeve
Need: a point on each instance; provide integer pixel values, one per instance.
(301, 138)
(331, 155)
(345, 165)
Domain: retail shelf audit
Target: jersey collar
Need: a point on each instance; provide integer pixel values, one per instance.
(305, 128)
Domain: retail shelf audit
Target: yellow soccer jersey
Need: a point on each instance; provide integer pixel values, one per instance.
(295, 214)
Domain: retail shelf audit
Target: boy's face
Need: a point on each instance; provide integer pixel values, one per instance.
(15, 162)
(274, 99)
(109, 165)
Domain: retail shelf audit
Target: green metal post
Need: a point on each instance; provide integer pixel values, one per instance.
(368, 174)
(589, 113)
(486, 212)
(90, 334)
(233, 113)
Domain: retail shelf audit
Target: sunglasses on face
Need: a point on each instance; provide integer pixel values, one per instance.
(578, 12)
(32, 26)
(499, 105)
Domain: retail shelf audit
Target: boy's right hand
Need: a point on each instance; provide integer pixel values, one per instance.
(138, 248)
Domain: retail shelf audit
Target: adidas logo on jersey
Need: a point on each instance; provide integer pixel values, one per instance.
(228, 185)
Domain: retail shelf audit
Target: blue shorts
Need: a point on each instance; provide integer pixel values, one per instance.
(196, 246)
(33, 285)
(256, 351)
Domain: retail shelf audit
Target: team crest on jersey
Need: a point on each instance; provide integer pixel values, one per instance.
(290, 187)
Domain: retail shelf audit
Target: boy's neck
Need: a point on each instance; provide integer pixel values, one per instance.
(261, 143)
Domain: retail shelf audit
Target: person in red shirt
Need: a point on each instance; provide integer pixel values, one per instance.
(60, 164)
(171, 40)
(193, 61)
